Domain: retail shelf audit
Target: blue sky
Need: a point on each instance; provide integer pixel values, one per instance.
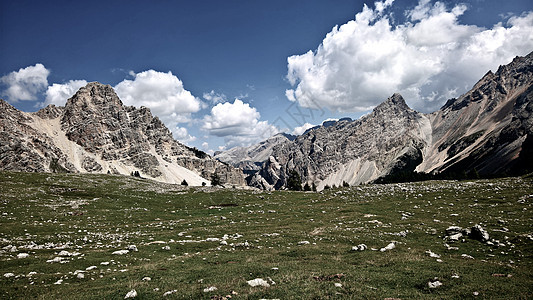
(227, 73)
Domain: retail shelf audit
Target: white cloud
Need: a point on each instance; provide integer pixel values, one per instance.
(163, 93)
(237, 123)
(26, 83)
(301, 129)
(58, 94)
(428, 59)
(181, 134)
(214, 97)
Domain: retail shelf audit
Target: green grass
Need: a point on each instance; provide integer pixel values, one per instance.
(96, 215)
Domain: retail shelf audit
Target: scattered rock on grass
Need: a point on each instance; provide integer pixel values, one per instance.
(390, 246)
(478, 233)
(431, 254)
(435, 283)
(121, 252)
(360, 247)
(210, 289)
(258, 282)
(169, 293)
(131, 294)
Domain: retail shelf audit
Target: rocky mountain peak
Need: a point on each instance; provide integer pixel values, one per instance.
(393, 107)
(94, 96)
(96, 133)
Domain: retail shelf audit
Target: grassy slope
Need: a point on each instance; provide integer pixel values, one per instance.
(97, 214)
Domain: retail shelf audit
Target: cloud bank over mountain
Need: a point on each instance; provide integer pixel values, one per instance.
(428, 59)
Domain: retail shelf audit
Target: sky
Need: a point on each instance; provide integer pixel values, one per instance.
(231, 73)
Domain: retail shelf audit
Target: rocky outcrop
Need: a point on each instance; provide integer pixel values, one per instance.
(95, 132)
(486, 131)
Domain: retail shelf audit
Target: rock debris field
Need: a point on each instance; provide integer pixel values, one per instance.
(72, 236)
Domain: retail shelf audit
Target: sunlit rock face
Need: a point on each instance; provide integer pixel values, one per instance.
(96, 133)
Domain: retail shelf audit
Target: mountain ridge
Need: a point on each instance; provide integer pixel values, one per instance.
(95, 133)
(486, 131)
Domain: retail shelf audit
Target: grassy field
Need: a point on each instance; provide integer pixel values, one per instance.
(58, 233)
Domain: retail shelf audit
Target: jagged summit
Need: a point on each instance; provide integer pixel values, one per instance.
(395, 104)
(94, 95)
(96, 133)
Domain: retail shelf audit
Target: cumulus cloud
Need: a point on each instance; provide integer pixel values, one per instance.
(26, 83)
(301, 129)
(58, 94)
(214, 97)
(163, 93)
(238, 123)
(181, 134)
(429, 59)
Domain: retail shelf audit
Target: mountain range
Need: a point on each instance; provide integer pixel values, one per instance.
(95, 133)
(485, 132)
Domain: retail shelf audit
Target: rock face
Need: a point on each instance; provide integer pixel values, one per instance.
(96, 133)
(487, 131)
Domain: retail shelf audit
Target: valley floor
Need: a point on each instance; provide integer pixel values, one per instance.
(72, 236)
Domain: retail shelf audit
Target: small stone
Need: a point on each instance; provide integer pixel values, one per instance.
(60, 281)
(304, 243)
(120, 252)
(133, 248)
(80, 276)
(210, 289)
(337, 284)
(131, 294)
(169, 293)
(360, 247)
(7, 275)
(55, 260)
(146, 278)
(431, 254)
(455, 237)
(434, 284)
(258, 282)
(23, 255)
(390, 246)
(478, 233)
